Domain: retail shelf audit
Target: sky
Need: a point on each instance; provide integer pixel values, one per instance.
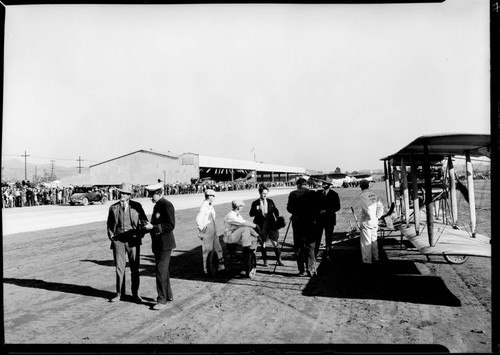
(313, 86)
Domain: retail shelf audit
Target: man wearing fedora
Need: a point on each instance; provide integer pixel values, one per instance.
(328, 204)
(126, 219)
(302, 205)
(162, 242)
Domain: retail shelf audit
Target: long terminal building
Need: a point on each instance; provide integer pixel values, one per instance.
(145, 167)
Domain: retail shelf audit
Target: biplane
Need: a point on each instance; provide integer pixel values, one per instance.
(337, 179)
(431, 184)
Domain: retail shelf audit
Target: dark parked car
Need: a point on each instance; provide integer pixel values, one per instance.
(86, 194)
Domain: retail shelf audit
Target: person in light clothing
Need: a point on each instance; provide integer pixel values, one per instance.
(371, 210)
(237, 230)
(205, 221)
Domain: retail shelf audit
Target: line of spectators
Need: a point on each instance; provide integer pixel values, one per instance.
(28, 194)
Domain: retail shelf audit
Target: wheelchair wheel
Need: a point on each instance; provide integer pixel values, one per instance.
(456, 259)
(212, 263)
(250, 264)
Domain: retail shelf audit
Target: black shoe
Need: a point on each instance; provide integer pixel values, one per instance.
(137, 299)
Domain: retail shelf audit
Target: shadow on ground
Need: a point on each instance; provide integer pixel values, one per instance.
(344, 276)
(60, 287)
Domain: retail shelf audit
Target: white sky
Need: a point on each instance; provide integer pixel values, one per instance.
(314, 86)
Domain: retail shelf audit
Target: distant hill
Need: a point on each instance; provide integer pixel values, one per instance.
(13, 170)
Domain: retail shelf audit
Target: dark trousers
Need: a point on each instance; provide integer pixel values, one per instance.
(324, 224)
(162, 260)
(303, 243)
(120, 250)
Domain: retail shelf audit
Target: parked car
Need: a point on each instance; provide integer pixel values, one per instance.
(86, 194)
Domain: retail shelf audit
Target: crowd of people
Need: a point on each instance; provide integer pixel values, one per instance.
(22, 194)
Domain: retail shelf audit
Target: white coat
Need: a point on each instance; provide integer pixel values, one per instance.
(205, 221)
(371, 210)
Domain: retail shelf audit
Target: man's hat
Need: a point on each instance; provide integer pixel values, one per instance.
(237, 203)
(364, 183)
(301, 181)
(154, 187)
(327, 181)
(209, 192)
(125, 188)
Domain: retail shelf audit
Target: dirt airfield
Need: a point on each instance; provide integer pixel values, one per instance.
(57, 283)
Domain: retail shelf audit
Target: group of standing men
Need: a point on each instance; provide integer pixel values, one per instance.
(313, 212)
(126, 225)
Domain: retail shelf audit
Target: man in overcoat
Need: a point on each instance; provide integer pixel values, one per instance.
(162, 242)
(328, 204)
(126, 219)
(302, 205)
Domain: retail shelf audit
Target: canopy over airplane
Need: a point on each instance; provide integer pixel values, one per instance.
(428, 152)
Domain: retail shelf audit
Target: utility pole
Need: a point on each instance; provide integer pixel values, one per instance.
(52, 171)
(79, 160)
(25, 166)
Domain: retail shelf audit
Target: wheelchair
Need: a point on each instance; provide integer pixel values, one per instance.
(235, 259)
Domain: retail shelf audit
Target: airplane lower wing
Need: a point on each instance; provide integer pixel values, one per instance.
(450, 241)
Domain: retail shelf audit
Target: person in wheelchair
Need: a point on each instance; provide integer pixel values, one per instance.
(239, 231)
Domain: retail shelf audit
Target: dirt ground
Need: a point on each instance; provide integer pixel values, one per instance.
(57, 283)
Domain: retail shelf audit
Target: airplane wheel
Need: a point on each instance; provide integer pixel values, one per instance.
(456, 259)
(212, 263)
(250, 264)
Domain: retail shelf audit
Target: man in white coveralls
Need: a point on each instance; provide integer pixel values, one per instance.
(371, 210)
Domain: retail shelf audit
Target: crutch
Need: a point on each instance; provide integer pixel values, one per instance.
(283, 243)
(355, 217)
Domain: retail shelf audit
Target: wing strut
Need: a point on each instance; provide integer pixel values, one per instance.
(406, 197)
(453, 192)
(416, 204)
(429, 205)
(470, 187)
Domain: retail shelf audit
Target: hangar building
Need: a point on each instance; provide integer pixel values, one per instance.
(145, 167)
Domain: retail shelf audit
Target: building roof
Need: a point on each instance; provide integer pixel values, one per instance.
(168, 155)
(206, 161)
(217, 162)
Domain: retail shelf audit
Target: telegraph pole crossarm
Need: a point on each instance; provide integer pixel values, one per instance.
(25, 166)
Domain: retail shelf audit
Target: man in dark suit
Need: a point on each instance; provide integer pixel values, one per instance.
(302, 205)
(126, 219)
(265, 214)
(162, 239)
(328, 204)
